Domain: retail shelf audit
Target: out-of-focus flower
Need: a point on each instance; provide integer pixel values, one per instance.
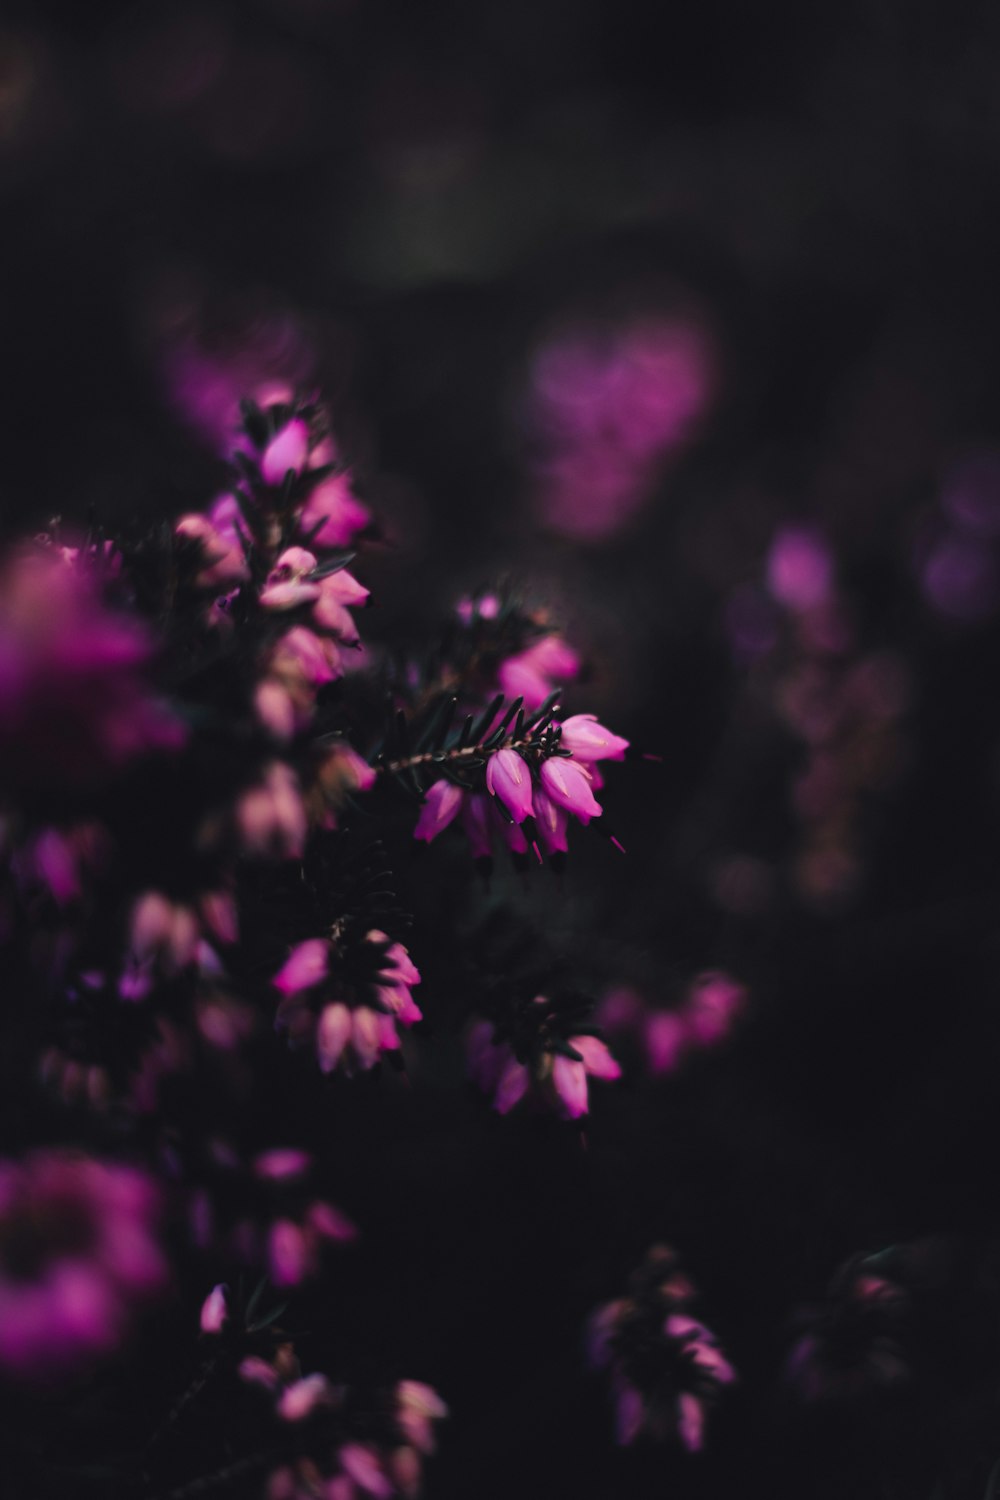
(78, 1256)
(287, 450)
(441, 806)
(76, 704)
(709, 1008)
(854, 1344)
(539, 1052)
(222, 561)
(606, 408)
(333, 515)
(533, 674)
(799, 568)
(265, 1213)
(215, 1310)
(340, 775)
(271, 817)
(666, 1368)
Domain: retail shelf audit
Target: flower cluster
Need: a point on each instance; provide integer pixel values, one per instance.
(79, 1254)
(606, 408)
(843, 707)
(854, 1344)
(666, 1368)
(542, 1049)
(705, 1016)
(264, 1211)
(197, 827)
(347, 999)
(532, 784)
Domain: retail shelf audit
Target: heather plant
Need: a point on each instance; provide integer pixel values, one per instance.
(203, 783)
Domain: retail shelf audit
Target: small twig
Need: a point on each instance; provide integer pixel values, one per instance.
(459, 753)
(183, 1400)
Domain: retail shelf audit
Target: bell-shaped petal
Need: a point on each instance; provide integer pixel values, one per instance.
(288, 449)
(569, 1079)
(300, 1399)
(215, 1309)
(512, 1085)
(476, 823)
(551, 821)
(588, 740)
(509, 778)
(442, 804)
(333, 1032)
(597, 1060)
(568, 784)
(307, 965)
(366, 1036)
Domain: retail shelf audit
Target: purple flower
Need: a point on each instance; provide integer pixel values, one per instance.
(569, 1077)
(215, 1310)
(306, 966)
(78, 1255)
(75, 702)
(509, 778)
(570, 787)
(552, 822)
(290, 582)
(271, 817)
(666, 1368)
(288, 449)
(476, 810)
(587, 740)
(336, 510)
(533, 673)
(539, 1065)
(442, 804)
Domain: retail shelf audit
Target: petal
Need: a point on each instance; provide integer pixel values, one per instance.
(597, 1060)
(569, 1079)
(307, 965)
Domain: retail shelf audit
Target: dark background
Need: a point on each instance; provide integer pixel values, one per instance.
(394, 201)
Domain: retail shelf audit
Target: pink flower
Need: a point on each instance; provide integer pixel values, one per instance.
(587, 740)
(289, 583)
(442, 803)
(569, 1078)
(333, 1032)
(336, 510)
(799, 568)
(77, 1256)
(552, 822)
(569, 787)
(75, 701)
(288, 449)
(713, 1002)
(418, 1406)
(340, 592)
(270, 817)
(307, 965)
(476, 810)
(626, 1334)
(215, 1310)
(223, 562)
(533, 673)
(341, 773)
(300, 1399)
(509, 778)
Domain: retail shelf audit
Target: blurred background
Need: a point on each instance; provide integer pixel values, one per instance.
(686, 320)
